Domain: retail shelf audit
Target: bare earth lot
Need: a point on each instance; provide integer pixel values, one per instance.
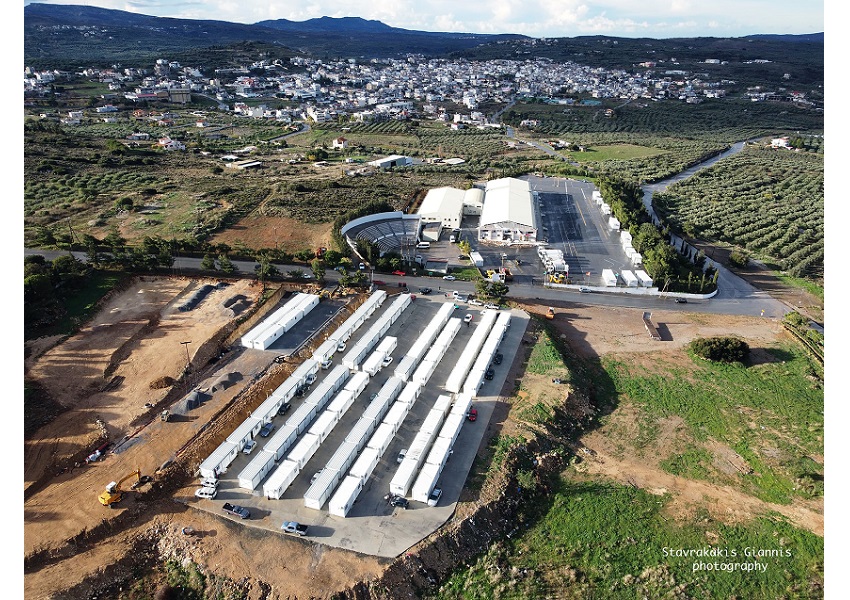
(136, 339)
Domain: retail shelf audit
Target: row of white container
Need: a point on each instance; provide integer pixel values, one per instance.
(458, 374)
(426, 368)
(285, 392)
(343, 333)
(476, 375)
(637, 279)
(375, 362)
(409, 361)
(280, 321)
(440, 451)
(364, 345)
(552, 259)
(347, 453)
(304, 450)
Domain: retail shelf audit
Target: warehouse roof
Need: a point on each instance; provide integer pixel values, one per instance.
(441, 201)
(508, 200)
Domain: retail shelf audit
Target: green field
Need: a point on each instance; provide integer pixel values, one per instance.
(615, 152)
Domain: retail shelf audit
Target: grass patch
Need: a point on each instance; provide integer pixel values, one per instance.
(810, 286)
(615, 152)
(594, 540)
(466, 273)
(740, 406)
(693, 463)
(546, 360)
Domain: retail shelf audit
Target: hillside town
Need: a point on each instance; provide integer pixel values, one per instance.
(381, 89)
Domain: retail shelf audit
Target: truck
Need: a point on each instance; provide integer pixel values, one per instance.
(235, 509)
(294, 527)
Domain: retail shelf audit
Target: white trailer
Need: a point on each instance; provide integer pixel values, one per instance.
(613, 224)
(477, 259)
(396, 415)
(218, 461)
(629, 278)
(359, 434)
(410, 393)
(637, 259)
(357, 383)
(461, 405)
(404, 476)
(304, 450)
(323, 425)
(373, 363)
(321, 489)
(302, 417)
(382, 438)
(606, 210)
(280, 443)
(644, 278)
(625, 238)
(304, 370)
(609, 278)
(451, 427)
(365, 464)
(279, 480)
(256, 470)
(345, 496)
(405, 367)
(423, 372)
(341, 403)
(440, 452)
(425, 482)
(325, 351)
(246, 430)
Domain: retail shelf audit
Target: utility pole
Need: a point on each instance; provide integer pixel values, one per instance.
(188, 361)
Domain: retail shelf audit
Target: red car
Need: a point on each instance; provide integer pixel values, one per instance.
(472, 414)
(399, 273)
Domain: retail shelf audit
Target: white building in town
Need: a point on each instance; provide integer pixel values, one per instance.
(508, 214)
(448, 205)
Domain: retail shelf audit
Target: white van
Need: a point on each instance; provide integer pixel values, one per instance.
(452, 239)
(423, 245)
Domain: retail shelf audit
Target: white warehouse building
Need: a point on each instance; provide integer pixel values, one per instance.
(448, 205)
(508, 214)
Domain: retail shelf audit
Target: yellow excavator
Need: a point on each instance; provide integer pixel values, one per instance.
(113, 493)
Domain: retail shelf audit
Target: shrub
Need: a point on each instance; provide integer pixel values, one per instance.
(739, 259)
(720, 349)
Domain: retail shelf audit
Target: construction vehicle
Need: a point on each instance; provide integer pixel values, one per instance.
(556, 277)
(550, 314)
(165, 416)
(113, 493)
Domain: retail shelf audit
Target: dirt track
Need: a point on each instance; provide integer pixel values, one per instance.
(137, 338)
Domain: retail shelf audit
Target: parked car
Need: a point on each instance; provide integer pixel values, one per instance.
(340, 347)
(492, 306)
(388, 360)
(400, 501)
(205, 493)
(425, 291)
(475, 302)
(294, 527)
(315, 476)
(462, 257)
(311, 379)
(467, 318)
(449, 277)
(488, 374)
(401, 455)
(497, 360)
(584, 290)
(472, 415)
(435, 497)
(284, 408)
(680, 300)
(266, 430)
(209, 482)
(249, 447)
(235, 509)
(399, 273)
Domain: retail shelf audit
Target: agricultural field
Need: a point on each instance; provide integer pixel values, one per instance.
(766, 202)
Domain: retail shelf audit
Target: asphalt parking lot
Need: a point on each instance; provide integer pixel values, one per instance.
(372, 526)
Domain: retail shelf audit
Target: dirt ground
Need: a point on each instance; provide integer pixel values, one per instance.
(275, 232)
(104, 373)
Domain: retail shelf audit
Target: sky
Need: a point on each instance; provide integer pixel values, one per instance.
(535, 18)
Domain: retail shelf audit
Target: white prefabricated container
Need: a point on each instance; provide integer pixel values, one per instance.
(320, 396)
(432, 423)
(477, 259)
(373, 363)
(423, 372)
(256, 470)
(245, 431)
(323, 425)
(451, 427)
(637, 259)
(609, 278)
(645, 280)
(365, 464)
(403, 478)
(443, 403)
(461, 405)
(359, 434)
(376, 410)
(388, 345)
(629, 278)
(473, 383)
(302, 417)
(220, 458)
(321, 489)
(629, 251)
(439, 453)
(410, 393)
(304, 449)
(325, 351)
(286, 390)
(381, 439)
(606, 210)
(613, 224)
(405, 367)
(357, 383)
(345, 496)
(396, 415)
(625, 238)
(306, 368)
(282, 440)
(279, 480)
(268, 409)
(425, 482)
(337, 377)
(341, 403)
(343, 458)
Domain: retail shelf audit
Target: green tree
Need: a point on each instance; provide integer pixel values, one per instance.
(225, 264)
(208, 262)
(318, 268)
(464, 247)
(305, 255)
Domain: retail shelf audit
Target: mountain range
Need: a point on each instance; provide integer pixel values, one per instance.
(74, 36)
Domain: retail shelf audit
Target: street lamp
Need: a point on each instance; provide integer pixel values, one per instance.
(188, 361)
